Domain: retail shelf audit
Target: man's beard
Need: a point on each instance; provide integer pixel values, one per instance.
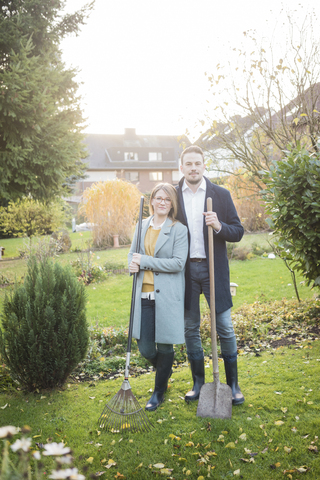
(194, 181)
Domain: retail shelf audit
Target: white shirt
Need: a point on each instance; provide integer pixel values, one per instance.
(194, 206)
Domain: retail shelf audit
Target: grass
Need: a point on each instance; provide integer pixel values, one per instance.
(280, 386)
(109, 301)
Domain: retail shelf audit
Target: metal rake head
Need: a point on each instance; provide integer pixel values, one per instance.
(123, 413)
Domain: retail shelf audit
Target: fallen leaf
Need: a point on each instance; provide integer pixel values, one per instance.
(5, 406)
(92, 398)
(230, 445)
(284, 409)
(265, 450)
(190, 444)
(90, 459)
(236, 472)
(221, 438)
(111, 462)
(287, 449)
(247, 451)
(243, 436)
(279, 422)
(158, 465)
(313, 448)
(98, 474)
(119, 475)
(303, 469)
(166, 471)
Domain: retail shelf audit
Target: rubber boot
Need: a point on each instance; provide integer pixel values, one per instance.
(231, 369)
(163, 373)
(197, 369)
(153, 362)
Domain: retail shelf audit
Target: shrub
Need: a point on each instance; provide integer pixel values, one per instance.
(29, 218)
(45, 334)
(292, 198)
(112, 207)
(63, 240)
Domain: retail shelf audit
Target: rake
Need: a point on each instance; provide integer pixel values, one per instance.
(123, 412)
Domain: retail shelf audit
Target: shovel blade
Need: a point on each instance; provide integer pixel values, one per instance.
(215, 401)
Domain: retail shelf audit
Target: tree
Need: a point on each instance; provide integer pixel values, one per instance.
(268, 100)
(44, 330)
(112, 208)
(292, 196)
(41, 140)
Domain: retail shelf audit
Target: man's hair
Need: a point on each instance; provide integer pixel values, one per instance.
(172, 194)
(191, 149)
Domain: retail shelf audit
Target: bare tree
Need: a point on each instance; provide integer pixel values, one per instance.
(268, 101)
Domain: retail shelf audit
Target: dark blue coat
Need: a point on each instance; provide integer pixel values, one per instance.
(231, 231)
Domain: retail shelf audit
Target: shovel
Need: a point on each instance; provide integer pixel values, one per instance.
(215, 398)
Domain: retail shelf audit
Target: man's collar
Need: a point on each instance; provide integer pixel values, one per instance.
(202, 186)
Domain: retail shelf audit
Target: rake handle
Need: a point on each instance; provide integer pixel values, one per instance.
(135, 278)
(212, 296)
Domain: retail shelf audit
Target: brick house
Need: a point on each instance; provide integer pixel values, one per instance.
(144, 160)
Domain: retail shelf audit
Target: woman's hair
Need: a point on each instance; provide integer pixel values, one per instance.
(172, 194)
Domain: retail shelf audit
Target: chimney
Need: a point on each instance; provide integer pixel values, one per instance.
(130, 132)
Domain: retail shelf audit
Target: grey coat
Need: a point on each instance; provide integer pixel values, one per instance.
(168, 265)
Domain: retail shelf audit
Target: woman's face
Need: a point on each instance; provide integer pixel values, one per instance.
(161, 203)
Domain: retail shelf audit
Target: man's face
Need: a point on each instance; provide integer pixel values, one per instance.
(193, 167)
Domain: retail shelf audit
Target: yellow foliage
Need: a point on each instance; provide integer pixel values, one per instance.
(112, 208)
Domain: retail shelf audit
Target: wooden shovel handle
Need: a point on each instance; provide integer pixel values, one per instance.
(212, 294)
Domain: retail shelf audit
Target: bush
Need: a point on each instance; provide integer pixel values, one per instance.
(45, 334)
(63, 240)
(29, 218)
(292, 198)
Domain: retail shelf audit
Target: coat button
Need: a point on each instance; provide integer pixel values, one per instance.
(157, 273)
(158, 291)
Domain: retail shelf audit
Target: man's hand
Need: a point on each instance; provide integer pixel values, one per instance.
(212, 220)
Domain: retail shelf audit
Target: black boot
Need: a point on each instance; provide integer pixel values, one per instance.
(153, 361)
(163, 373)
(231, 369)
(197, 369)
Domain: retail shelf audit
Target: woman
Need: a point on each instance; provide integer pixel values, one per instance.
(159, 305)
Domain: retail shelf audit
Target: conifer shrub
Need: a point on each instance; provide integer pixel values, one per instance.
(44, 329)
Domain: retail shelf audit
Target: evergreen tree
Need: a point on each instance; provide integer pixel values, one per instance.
(41, 140)
(44, 329)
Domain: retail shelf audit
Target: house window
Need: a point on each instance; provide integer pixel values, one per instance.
(155, 156)
(130, 156)
(175, 176)
(132, 176)
(155, 176)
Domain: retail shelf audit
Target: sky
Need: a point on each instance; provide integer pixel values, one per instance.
(142, 63)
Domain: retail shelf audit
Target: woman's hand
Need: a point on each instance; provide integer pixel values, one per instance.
(134, 267)
(136, 258)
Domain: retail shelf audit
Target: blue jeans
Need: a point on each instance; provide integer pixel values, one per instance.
(200, 282)
(146, 344)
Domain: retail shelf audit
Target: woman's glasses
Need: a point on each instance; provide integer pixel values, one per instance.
(167, 201)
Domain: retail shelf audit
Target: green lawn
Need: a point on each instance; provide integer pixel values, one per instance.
(108, 304)
(272, 435)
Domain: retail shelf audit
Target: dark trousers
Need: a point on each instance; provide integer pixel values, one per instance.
(147, 345)
(200, 282)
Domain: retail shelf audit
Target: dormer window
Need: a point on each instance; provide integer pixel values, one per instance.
(155, 156)
(130, 156)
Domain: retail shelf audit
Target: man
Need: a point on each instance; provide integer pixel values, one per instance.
(193, 191)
